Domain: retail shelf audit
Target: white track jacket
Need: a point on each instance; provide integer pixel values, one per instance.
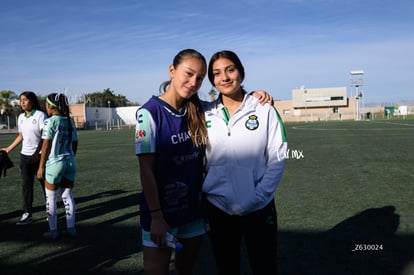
(246, 156)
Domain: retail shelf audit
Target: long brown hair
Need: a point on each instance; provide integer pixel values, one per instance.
(196, 121)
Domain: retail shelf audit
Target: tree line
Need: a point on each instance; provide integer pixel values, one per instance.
(9, 100)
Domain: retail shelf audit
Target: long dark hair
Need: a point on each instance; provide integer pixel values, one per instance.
(60, 102)
(32, 97)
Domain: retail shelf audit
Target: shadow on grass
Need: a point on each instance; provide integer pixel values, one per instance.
(114, 237)
(363, 244)
(108, 247)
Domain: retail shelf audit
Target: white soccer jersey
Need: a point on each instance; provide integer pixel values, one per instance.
(30, 127)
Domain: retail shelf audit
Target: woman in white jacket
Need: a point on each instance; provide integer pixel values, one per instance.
(245, 163)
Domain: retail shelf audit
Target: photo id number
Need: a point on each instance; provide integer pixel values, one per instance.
(368, 247)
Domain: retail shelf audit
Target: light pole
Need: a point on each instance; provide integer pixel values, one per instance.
(109, 114)
(356, 82)
(305, 102)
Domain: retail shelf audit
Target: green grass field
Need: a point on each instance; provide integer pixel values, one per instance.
(345, 205)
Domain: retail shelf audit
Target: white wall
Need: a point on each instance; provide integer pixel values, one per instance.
(101, 115)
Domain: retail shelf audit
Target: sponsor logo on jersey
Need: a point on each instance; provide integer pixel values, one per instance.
(180, 137)
(140, 134)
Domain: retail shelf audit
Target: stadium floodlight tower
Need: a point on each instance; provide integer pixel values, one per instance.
(356, 81)
(109, 116)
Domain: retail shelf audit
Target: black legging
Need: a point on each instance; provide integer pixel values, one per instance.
(259, 230)
(28, 170)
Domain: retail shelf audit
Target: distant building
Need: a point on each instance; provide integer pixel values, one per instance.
(317, 104)
(78, 113)
(102, 117)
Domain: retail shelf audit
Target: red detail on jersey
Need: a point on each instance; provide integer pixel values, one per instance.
(140, 134)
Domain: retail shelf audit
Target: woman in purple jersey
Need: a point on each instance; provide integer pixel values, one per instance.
(170, 139)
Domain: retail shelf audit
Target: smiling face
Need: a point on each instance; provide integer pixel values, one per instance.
(226, 77)
(187, 77)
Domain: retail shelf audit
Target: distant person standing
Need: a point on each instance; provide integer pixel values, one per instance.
(245, 163)
(57, 165)
(29, 126)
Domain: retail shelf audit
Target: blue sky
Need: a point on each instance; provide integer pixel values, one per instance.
(87, 46)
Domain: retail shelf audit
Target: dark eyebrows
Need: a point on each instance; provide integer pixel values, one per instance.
(188, 70)
(229, 67)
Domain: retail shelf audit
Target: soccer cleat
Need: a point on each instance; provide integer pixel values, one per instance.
(25, 219)
(50, 235)
(69, 232)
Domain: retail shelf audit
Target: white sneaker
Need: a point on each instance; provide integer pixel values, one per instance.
(25, 219)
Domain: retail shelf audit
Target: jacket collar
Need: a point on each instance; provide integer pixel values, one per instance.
(247, 104)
